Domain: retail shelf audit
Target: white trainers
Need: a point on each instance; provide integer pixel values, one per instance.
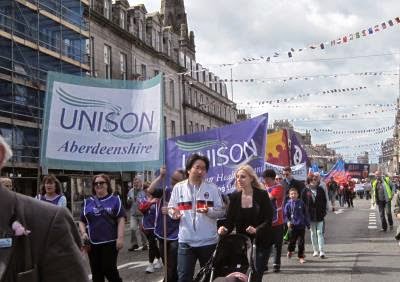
(315, 254)
(157, 264)
(150, 268)
(322, 255)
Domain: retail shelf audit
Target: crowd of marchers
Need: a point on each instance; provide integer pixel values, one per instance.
(180, 221)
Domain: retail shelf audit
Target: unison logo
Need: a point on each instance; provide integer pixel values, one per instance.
(102, 116)
(219, 153)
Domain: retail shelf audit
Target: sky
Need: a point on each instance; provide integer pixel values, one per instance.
(227, 32)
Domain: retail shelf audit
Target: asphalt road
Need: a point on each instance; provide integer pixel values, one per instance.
(355, 251)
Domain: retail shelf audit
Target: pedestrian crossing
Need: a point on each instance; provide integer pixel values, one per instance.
(372, 221)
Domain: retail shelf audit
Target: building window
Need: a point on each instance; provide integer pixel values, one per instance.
(172, 90)
(143, 72)
(122, 19)
(196, 127)
(189, 96)
(107, 9)
(156, 72)
(191, 127)
(140, 29)
(123, 67)
(91, 56)
(202, 127)
(195, 99)
(173, 128)
(107, 61)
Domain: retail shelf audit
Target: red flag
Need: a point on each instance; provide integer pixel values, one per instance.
(397, 19)
(376, 28)
(344, 39)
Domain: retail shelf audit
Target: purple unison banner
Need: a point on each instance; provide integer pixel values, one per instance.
(227, 148)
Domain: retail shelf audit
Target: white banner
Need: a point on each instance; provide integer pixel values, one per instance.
(90, 126)
(299, 171)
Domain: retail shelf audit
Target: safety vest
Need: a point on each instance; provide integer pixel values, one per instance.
(385, 184)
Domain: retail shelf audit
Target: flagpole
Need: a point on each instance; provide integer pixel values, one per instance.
(163, 185)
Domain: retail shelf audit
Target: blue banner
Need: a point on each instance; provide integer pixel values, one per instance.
(227, 148)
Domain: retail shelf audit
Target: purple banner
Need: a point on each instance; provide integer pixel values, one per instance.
(297, 154)
(227, 148)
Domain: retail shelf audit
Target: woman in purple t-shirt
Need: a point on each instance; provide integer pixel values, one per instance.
(102, 225)
(50, 191)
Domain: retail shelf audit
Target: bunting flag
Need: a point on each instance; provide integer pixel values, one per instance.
(331, 131)
(330, 92)
(306, 78)
(357, 146)
(341, 40)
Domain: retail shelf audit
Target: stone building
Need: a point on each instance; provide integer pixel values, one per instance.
(36, 36)
(363, 159)
(388, 160)
(128, 42)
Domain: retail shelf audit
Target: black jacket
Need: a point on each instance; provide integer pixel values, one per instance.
(316, 207)
(263, 220)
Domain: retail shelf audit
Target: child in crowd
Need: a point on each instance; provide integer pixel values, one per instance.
(297, 221)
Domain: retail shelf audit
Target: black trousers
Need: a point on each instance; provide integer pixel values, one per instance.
(154, 251)
(277, 239)
(297, 235)
(172, 257)
(103, 262)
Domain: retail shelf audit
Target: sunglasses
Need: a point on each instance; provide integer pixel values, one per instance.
(99, 183)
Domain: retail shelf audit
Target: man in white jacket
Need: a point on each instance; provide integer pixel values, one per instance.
(198, 205)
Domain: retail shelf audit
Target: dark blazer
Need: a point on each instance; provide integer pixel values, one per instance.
(263, 206)
(49, 253)
(316, 208)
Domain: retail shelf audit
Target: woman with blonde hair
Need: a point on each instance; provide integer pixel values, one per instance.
(50, 191)
(250, 212)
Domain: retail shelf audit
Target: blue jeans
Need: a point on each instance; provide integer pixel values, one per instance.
(385, 208)
(187, 257)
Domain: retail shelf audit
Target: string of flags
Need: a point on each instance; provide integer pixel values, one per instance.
(330, 92)
(370, 130)
(347, 140)
(344, 39)
(316, 106)
(305, 78)
(342, 116)
(357, 146)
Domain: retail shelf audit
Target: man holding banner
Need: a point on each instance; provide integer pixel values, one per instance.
(197, 204)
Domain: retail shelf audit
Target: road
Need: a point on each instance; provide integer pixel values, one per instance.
(355, 251)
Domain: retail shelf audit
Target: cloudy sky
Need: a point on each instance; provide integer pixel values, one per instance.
(226, 32)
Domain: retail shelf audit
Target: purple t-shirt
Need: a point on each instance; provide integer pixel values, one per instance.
(172, 224)
(102, 228)
(53, 201)
(149, 217)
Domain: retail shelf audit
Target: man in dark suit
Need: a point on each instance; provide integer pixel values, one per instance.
(50, 252)
(289, 182)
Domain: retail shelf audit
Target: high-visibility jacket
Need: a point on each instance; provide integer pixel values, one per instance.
(387, 190)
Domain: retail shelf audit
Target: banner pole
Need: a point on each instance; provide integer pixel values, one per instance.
(163, 184)
(165, 230)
